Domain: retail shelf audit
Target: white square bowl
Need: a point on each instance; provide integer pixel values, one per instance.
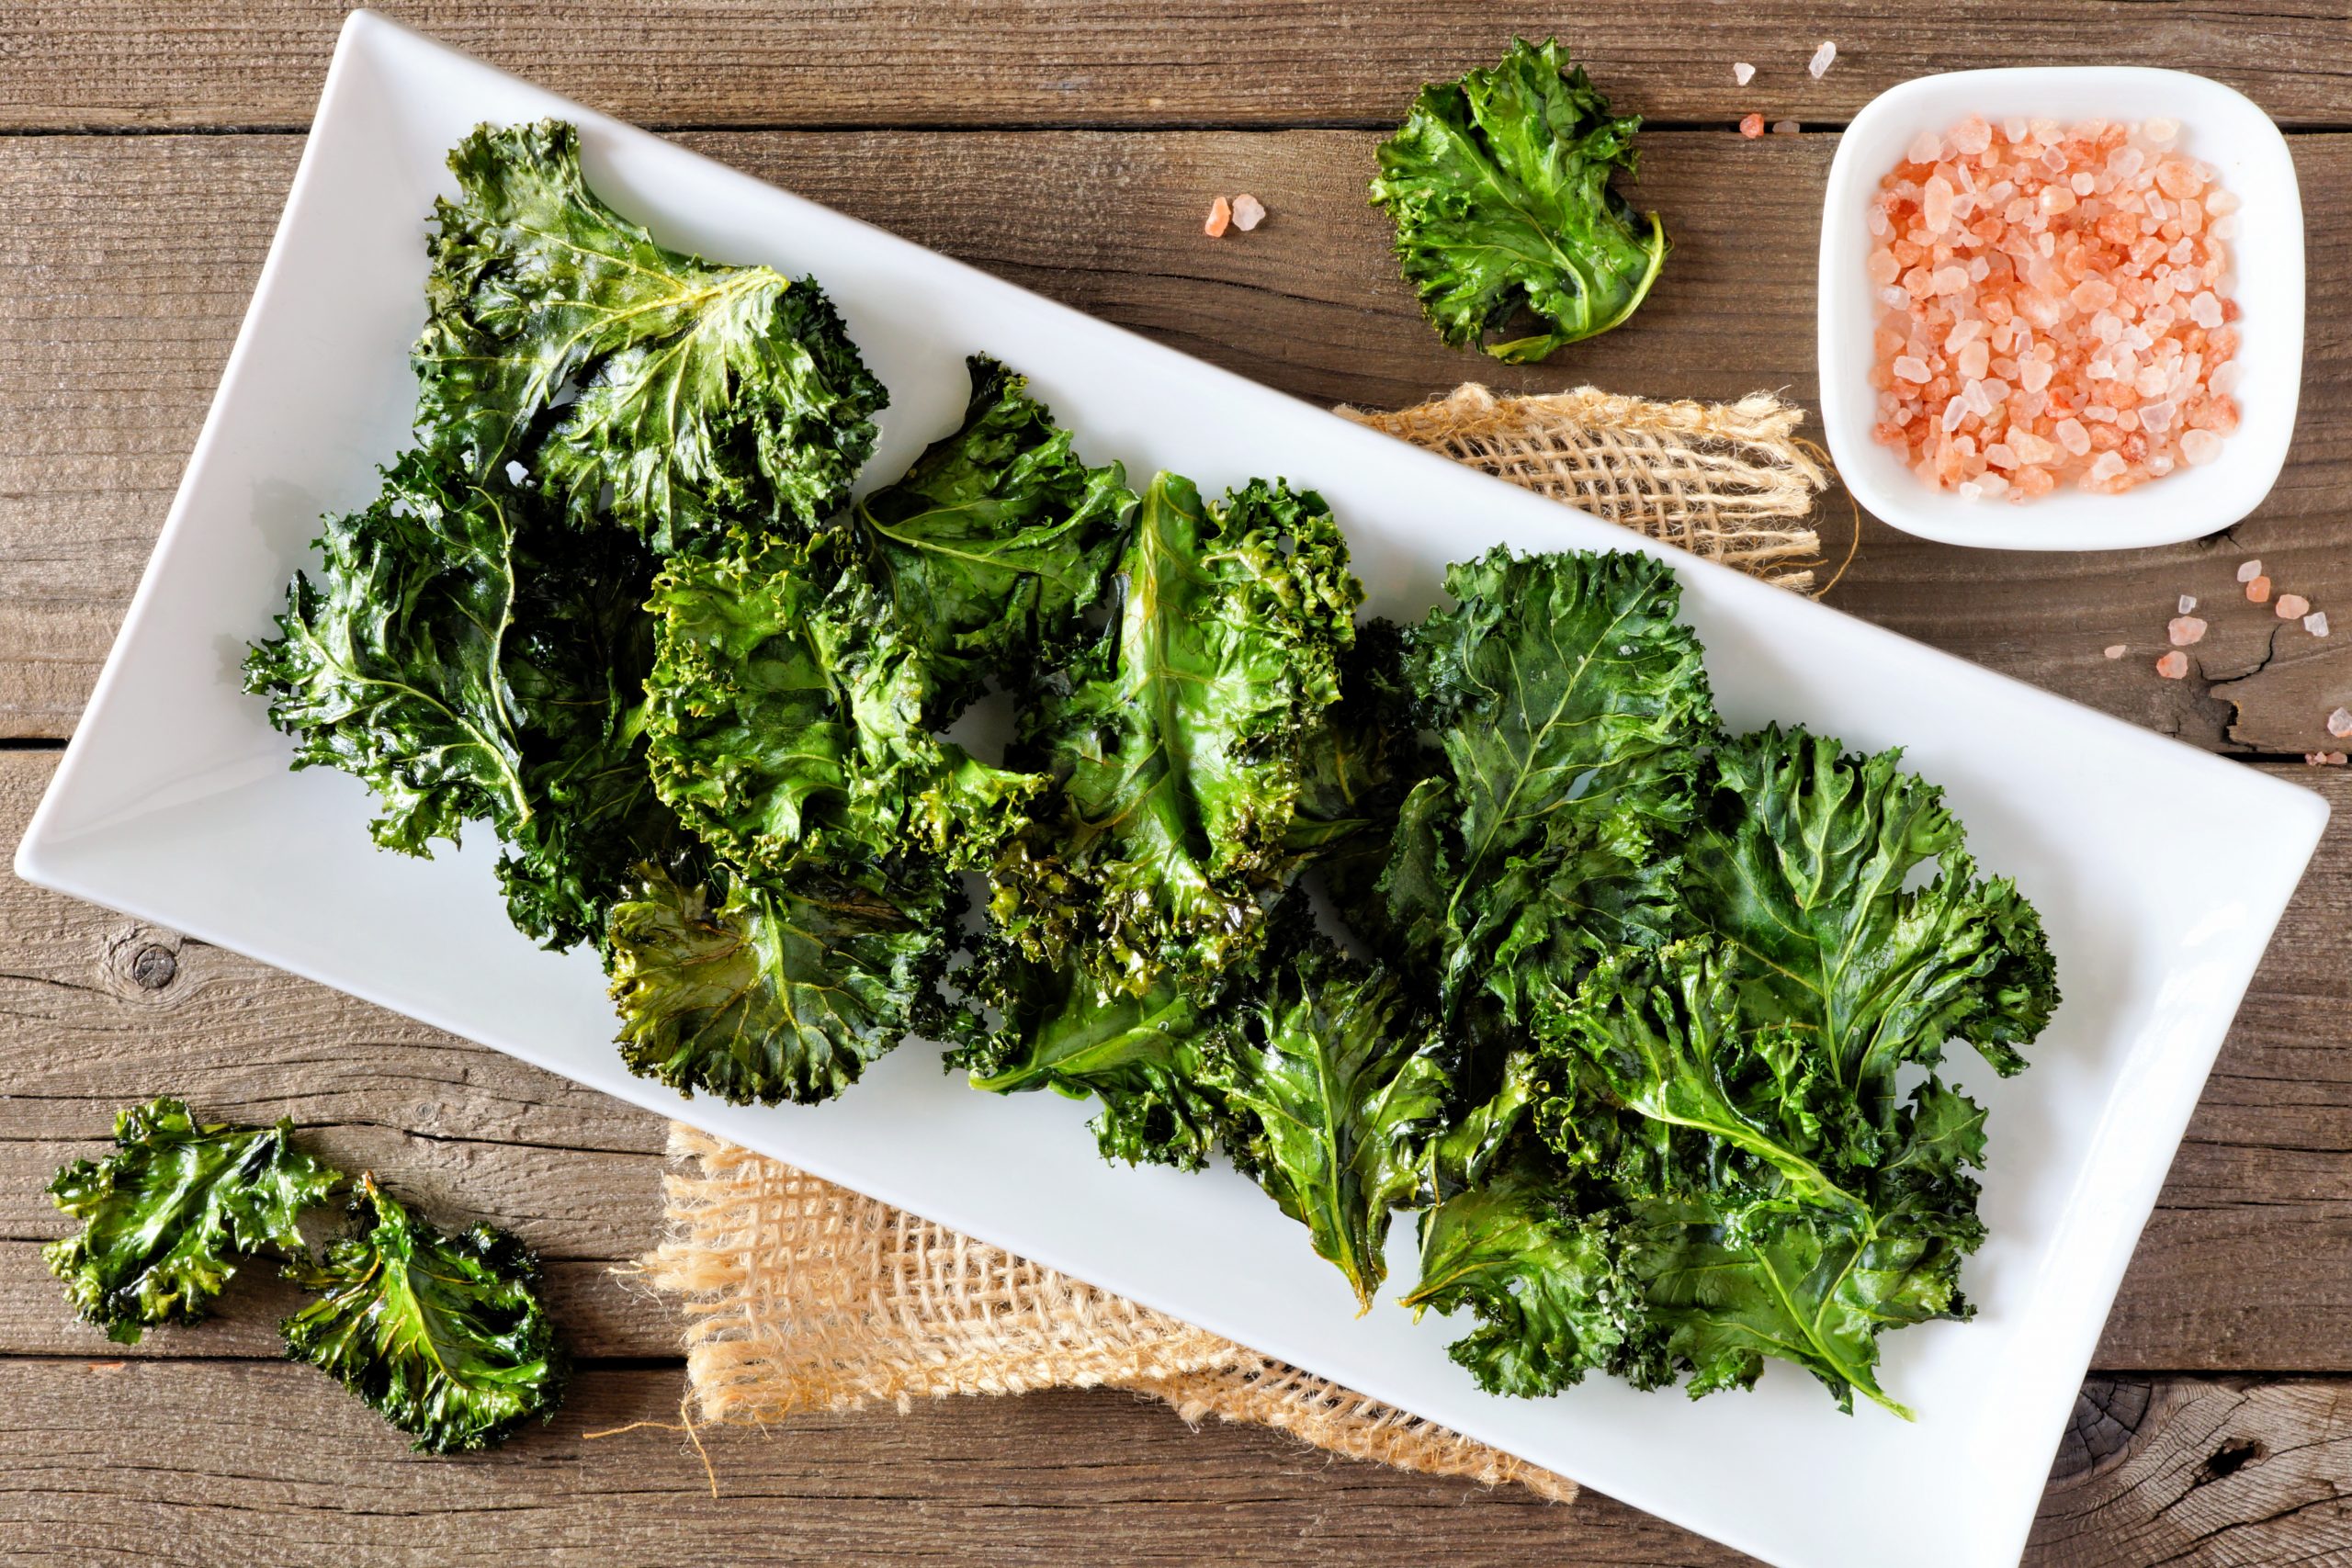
(2160, 871)
(2218, 126)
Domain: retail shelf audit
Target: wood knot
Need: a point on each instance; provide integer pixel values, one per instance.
(140, 963)
(154, 966)
(2108, 1415)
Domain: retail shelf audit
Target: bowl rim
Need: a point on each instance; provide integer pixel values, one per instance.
(2147, 516)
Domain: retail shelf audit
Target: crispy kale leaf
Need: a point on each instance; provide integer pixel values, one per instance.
(443, 1336)
(708, 397)
(1499, 188)
(1570, 706)
(996, 542)
(1177, 739)
(165, 1215)
(1799, 863)
(393, 665)
(1547, 1281)
(772, 993)
(1336, 1085)
(791, 716)
(579, 654)
(1142, 1058)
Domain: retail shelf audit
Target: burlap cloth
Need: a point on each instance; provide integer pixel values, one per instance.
(800, 1295)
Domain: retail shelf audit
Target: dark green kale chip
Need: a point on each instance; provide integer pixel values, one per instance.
(443, 1336)
(167, 1215)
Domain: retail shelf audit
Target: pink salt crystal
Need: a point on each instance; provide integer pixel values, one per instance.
(2187, 602)
(2160, 130)
(1925, 147)
(2248, 570)
(2200, 446)
(2316, 622)
(1247, 212)
(1910, 368)
(1220, 215)
(2173, 665)
(2339, 723)
(1784, 128)
(2258, 591)
(2072, 436)
(1743, 73)
(2184, 630)
(2116, 650)
(1751, 126)
(1935, 205)
(2292, 606)
(1972, 135)
(2104, 468)
(1819, 65)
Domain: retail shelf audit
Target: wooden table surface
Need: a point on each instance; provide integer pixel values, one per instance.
(145, 149)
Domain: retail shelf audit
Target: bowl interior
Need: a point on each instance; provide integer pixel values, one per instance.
(2219, 127)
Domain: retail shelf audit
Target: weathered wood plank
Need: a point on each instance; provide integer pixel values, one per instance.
(2247, 1265)
(106, 1466)
(259, 62)
(142, 265)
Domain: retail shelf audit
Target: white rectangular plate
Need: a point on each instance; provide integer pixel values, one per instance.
(2160, 871)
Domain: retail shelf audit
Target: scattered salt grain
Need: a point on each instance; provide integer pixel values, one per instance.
(2258, 591)
(2199, 446)
(2325, 759)
(1751, 126)
(1220, 216)
(2249, 570)
(2187, 602)
(2173, 665)
(2184, 630)
(2316, 622)
(1743, 73)
(1784, 128)
(1818, 66)
(2339, 723)
(2292, 606)
(2116, 650)
(1247, 212)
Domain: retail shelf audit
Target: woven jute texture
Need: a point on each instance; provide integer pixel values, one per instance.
(800, 1295)
(1732, 482)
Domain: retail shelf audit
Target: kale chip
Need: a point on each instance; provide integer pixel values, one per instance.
(393, 666)
(1498, 184)
(561, 335)
(775, 992)
(166, 1216)
(1177, 740)
(445, 1336)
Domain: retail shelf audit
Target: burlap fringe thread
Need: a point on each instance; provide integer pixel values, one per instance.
(800, 1295)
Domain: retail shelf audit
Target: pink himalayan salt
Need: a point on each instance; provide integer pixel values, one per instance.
(2339, 723)
(1784, 128)
(2292, 606)
(1818, 66)
(1220, 215)
(2116, 650)
(1247, 212)
(2037, 281)
(1743, 73)
(2184, 630)
(2173, 665)
(2187, 602)
(2258, 591)
(1752, 126)
(2249, 570)
(2325, 759)
(2316, 622)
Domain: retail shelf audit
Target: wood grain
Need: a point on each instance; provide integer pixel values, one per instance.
(248, 64)
(202, 1462)
(102, 385)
